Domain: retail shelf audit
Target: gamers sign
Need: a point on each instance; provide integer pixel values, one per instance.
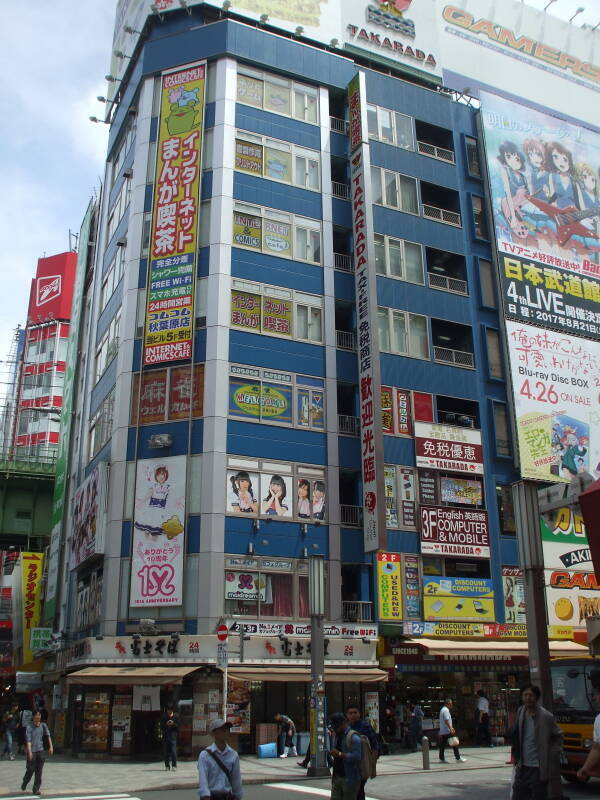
(389, 14)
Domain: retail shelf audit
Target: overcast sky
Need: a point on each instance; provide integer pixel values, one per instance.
(54, 57)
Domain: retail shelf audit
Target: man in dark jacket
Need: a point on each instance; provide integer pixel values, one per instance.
(346, 754)
(363, 728)
(537, 743)
(169, 731)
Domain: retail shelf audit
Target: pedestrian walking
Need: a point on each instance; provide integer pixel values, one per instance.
(169, 726)
(25, 717)
(10, 720)
(591, 765)
(37, 743)
(219, 772)
(537, 743)
(346, 754)
(447, 735)
(415, 726)
(483, 735)
(363, 728)
(287, 728)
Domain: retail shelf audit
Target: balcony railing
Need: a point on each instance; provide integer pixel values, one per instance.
(357, 611)
(348, 425)
(351, 516)
(459, 358)
(338, 125)
(431, 150)
(442, 215)
(343, 262)
(455, 285)
(341, 190)
(345, 340)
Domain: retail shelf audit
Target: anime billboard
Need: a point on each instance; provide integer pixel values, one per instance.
(544, 181)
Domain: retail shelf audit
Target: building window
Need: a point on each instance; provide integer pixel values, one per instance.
(501, 429)
(165, 394)
(284, 490)
(486, 281)
(473, 165)
(118, 209)
(277, 233)
(390, 127)
(108, 346)
(101, 424)
(276, 398)
(112, 277)
(494, 355)
(277, 95)
(394, 190)
(506, 510)
(398, 258)
(403, 333)
(277, 160)
(268, 589)
(479, 220)
(123, 148)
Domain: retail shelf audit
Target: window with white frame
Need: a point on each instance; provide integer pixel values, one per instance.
(277, 160)
(402, 333)
(277, 233)
(112, 277)
(101, 425)
(394, 190)
(390, 127)
(277, 95)
(123, 148)
(398, 258)
(108, 346)
(276, 311)
(268, 588)
(118, 209)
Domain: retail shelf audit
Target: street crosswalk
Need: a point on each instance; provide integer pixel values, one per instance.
(296, 787)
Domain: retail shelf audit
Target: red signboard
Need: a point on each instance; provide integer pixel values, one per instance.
(52, 289)
(448, 447)
(403, 412)
(454, 532)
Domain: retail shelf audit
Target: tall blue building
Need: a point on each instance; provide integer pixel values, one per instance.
(222, 425)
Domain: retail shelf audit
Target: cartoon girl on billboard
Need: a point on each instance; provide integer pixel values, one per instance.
(516, 189)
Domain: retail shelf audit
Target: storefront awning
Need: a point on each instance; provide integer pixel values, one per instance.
(130, 676)
(302, 674)
(491, 647)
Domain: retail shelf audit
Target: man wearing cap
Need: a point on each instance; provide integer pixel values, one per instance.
(219, 767)
(346, 753)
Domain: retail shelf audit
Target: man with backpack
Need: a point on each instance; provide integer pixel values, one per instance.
(346, 753)
(369, 742)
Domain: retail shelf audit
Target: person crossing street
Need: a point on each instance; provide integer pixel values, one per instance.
(37, 743)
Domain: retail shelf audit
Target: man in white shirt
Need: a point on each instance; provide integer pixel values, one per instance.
(219, 767)
(591, 765)
(483, 720)
(446, 731)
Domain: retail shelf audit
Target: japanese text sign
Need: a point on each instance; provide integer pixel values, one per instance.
(389, 586)
(32, 565)
(454, 532)
(174, 236)
(448, 447)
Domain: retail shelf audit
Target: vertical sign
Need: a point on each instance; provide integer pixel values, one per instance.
(389, 587)
(64, 436)
(174, 238)
(31, 576)
(371, 436)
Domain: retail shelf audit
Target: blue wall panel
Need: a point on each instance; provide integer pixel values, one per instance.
(283, 539)
(282, 196)
(349, 452)
(277, 271)
(126, 529)
(192, 539)
(268, 351)
(256, 120)
(270, 441)
(179, 432)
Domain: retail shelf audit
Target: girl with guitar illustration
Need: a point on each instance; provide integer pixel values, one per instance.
(515, 186)
(588, 183)
(564, 189)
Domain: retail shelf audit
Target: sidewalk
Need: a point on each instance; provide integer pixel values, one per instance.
(64, 775)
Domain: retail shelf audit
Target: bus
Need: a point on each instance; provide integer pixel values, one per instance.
(574, 709)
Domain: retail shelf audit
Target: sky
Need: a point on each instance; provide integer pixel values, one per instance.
(54, 57)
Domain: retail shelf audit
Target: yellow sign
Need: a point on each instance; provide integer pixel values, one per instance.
(31, 576)
(467, 599)
(560, 632)
(247, 230)
(389, 583)
(277, 316)
(174, 238)
(245, 311)
(277, 238)
(248, 157)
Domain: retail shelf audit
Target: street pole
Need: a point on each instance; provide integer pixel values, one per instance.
(529, 540)
(316, 595)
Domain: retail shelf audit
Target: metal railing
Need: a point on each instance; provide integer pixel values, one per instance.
(442, 215)
(343, 262)
(459, 358)
(433, 151)
(357, 611)
(351, 516)
(338, 125)
(340, 190)
(345, 340)
(349, 425)
(455, 285)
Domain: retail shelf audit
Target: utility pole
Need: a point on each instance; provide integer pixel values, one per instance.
(316, 600)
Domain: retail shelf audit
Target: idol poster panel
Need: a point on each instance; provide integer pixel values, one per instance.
(544, 181)
(89, 517)
(158, 533)
(556, 386)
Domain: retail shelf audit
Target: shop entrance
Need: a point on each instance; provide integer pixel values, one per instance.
(146, 738)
